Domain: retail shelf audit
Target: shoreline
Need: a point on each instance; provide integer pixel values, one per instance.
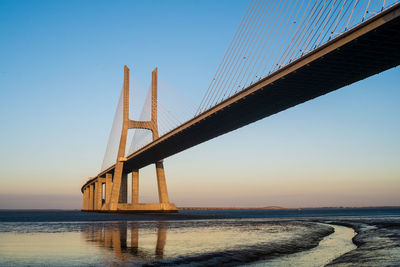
(283, 208)
(228, 208)
(194, 214)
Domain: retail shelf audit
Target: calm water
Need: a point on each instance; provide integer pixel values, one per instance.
(308, 237)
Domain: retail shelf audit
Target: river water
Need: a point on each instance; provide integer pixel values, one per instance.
(311, 237)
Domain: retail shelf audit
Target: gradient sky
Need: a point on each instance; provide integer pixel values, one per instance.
(61, 66)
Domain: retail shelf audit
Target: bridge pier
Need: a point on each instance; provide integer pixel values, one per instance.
(116, 195)
(91, 199)
(95, 194)
(162, 184)
(135, 186)
(99, 193)
(85, 199)
(87, 190)
(108, 187)
(123, 190)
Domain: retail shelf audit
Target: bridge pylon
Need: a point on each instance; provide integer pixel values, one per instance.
(116, 183)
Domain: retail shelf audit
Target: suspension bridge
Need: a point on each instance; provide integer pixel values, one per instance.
(283, 54)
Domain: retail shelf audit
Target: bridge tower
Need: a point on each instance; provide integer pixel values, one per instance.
(115, 181)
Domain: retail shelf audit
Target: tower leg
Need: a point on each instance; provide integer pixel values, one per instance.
(135, 186)
(116, 187)
(162, 185)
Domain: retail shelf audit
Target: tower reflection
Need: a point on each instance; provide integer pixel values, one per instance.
(123, 239)
(161, 240)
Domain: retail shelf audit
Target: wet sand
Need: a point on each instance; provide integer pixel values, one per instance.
(377, 241)
(330, 248)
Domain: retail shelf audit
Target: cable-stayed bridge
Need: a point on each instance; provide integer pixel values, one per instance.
(283, 54)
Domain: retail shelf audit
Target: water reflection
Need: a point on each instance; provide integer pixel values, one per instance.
(127, 243)
(123, 239)
(202, 242)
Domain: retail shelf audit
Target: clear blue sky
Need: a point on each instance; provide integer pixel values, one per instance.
(60, 79)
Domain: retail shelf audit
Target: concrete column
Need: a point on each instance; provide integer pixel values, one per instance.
(123, 193)
(88, 197)
(108, 186)
(95, 196)
(162, 185)
(91, 197)
(99, 194)
(135, 186)
(103, 194)
(84, 199)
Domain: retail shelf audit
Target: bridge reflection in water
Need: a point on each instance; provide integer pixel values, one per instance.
(123, 239)
(197, 242)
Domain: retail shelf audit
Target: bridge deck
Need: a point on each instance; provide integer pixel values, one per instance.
(370, 48)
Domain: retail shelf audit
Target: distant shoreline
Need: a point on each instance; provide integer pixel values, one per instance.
(232, 208)
(279, 208)
(226, 208)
